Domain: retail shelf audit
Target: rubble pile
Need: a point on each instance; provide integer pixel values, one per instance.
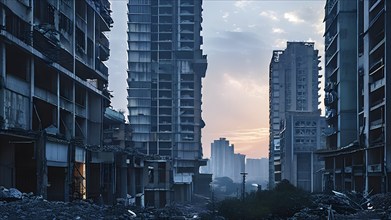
(381, 201)
(38, 208)
(17, 205)
(347, 206)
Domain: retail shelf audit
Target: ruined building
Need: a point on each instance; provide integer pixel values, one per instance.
(301, 136)
(358, 155)
(165, 69)
(294, 84)
(53, 96)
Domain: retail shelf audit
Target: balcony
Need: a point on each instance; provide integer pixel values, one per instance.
(187, 3)
(331, 58)
(187, 112)
(165, 3)
(66, 104)
(187, 21)
(377, 84)
(187, 138)
(187, 97)
(373, 4)
(187, 88)
(187, 122)
(104, 47)
(66, 9)
(379, 45)
(45, 95)
(81, 23)
(187, 11)
(80, 110)
(187, 131)
(377, 104)
(375, 65)
(376, 124)
(102, 68)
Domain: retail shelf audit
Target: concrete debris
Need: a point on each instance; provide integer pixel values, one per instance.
(11, 194)
(347, 206)
(28, 206)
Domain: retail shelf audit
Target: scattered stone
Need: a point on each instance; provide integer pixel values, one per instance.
(11, 194)
(28, 206)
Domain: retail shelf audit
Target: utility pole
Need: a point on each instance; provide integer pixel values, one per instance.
(244, 184)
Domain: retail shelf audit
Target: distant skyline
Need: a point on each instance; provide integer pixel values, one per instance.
(239, 37)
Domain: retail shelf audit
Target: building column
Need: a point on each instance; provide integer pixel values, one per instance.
(2, 79)
(88, 172)
(132, 179)
(387, 124)
(312, 171)
(42, 169)
(120, 183)
(123, 186)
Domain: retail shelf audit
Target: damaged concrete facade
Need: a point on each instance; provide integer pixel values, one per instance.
(358, 155)
(301, 136)
(138, 178)
(165, 69)
(293, 87)
(53, 95)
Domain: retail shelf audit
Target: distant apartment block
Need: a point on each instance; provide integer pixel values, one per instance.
(222, 158)
(258, 171)
(293, 87)
(239, 167)
(165, 69)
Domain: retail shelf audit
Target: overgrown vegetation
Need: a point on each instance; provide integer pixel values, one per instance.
(281, 202)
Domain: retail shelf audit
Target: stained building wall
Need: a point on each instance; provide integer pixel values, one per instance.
(53, 91)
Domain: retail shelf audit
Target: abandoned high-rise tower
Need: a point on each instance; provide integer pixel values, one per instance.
(165, 69)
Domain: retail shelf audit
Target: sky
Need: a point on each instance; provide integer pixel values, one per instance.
(239, 38)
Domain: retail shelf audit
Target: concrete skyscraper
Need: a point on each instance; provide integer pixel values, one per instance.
(358, 154)
(293, 87)
(165, 69)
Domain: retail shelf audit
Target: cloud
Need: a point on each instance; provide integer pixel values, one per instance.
(293, 17)
(239, 41)
(237, 29)
(242, 4)
(251, 25)
(244, 86)
(247, 135)
(225, 16)
(269, 14)
(280, 43)
(278, 31)
(247, 140)
(318, 25)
